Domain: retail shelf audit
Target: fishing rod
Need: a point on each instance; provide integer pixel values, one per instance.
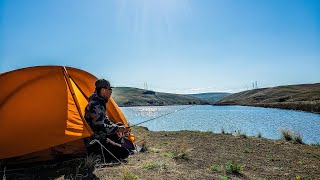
(161, 116)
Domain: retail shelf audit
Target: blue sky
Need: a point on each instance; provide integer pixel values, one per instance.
(177, 46)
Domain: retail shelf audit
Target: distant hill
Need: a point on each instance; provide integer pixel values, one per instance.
(305, 97)
(128, 96)
(210, 97)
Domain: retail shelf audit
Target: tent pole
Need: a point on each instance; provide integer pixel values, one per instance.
(78, 87)
(66, 76)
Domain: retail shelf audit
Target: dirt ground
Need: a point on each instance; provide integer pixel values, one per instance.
(189, 155)
(192, 155)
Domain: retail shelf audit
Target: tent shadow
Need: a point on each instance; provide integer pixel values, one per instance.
(70, 169)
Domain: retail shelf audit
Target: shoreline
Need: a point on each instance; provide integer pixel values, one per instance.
(268, 106)
(233, 133)
(250, 105)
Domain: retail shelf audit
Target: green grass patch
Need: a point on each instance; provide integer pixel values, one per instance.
(165, 143)
(149, 165)
(233, 168)
(168, 155)
(303, 178)
(224, 178)
(215, 167)
(156, 165)
(269, 178)
(229, 167)
(127, 175)
(154, 149)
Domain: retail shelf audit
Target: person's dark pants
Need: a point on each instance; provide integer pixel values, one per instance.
(118, 152)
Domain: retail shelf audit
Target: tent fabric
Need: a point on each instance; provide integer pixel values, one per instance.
(42, 110)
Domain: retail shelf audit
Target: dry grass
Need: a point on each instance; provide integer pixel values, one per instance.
(128, 175)
(244, 158)
(289, 135)
(223, 131)
(286, 134)
(239, 133)
(297, 138)
(211, 156)
(229, 167)
(157, 165)
(304, 97)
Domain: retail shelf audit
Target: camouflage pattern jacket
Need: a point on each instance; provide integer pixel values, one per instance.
(95, 115)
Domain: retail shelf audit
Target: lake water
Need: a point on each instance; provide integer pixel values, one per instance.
(249, 120)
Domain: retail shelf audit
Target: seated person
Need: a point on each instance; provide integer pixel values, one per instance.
(104, 129)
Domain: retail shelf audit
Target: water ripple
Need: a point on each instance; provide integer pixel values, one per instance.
(249, 120)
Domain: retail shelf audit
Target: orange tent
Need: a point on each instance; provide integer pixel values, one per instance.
(42, 111)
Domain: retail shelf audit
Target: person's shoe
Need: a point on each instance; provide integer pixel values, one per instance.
(140, 147)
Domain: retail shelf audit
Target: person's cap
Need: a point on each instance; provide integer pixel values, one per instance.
(102, 83)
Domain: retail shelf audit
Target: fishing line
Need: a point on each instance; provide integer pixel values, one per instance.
(161, 116)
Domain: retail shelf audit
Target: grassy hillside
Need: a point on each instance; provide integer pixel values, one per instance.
(127, 96)
(210, 97)
(305, 97)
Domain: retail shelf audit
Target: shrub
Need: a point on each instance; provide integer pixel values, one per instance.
(155, 165)
(233, 168)
(215, 167)
(168, 155)
(240, 134)
(303, 178)
(224, 178)
(180, 155)
(286, 134)
(127, 175)
(222, 131)
(269, 178)
(243, 135)
(149, 165)
(209, 132)
(297, 138)
(181, 152)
